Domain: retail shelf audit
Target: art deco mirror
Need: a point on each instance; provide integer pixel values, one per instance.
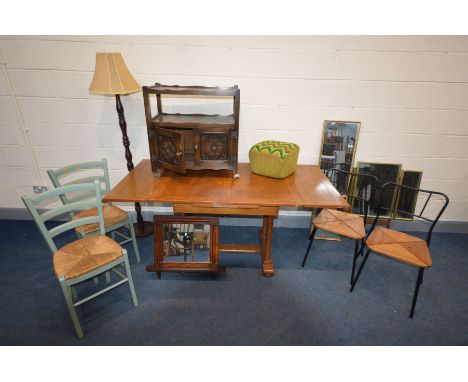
(385, 172)
(339, 142)
(406, 199)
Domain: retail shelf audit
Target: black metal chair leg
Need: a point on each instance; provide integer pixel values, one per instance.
(361, 251)
(311, 239)
(416, 291)
(359, 270)
(356, 254)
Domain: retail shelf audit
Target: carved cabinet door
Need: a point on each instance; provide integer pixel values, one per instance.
(213, 145)
(170, 150)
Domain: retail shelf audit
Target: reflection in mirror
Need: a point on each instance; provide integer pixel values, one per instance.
(186, 242)
(406, 201)
(385, 172)
(339, 142)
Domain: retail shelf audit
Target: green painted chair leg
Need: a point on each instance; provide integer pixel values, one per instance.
(113, 235)
(108, 277)
(74, 293)
(71, 309)
(96, 280)
(135, 245)
(129, 276)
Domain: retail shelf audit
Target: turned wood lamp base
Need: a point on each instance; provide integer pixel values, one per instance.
(142, 228)
(143, 231)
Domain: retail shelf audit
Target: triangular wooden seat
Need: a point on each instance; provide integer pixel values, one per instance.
(400, 246)
(341, 223)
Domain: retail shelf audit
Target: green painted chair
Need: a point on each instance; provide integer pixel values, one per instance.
(85, 258)
(114, 217)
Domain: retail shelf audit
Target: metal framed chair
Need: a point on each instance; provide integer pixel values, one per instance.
(114, 217)
(359, 190)
(85, 258)
(400, 246)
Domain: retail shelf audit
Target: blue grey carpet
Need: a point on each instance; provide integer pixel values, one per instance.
(298, 306)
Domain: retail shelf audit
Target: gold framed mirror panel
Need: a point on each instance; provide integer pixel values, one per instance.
(338, 150)
(385, 172)
(407, 199)
(339, 143)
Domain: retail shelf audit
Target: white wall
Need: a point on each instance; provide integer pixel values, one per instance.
(410, 93)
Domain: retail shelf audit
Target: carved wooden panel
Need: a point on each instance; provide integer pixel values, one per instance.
(214, 146)
(170, 149)
(167, 149)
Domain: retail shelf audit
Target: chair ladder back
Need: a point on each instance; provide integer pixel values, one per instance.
(56, 175)
(32, 203)
(67, 208)
(28, 202)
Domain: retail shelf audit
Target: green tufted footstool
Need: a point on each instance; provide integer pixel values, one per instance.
(273, 158)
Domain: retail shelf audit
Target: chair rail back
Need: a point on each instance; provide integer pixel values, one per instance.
(427, 195)
(59, 178)
(356, 187)
(40, 218)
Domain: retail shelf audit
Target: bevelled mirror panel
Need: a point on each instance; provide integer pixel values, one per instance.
(385, 172)
(186, 243)
(339, 142)
(406, 200)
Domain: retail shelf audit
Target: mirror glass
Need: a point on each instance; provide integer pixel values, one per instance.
(406, 201)
(186, 243)
(339, 144)
(385, 172)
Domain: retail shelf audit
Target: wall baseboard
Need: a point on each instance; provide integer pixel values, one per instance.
(286, 219)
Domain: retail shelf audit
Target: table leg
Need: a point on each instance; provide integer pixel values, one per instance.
(265, 242)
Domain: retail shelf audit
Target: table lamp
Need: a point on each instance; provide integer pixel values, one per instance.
(112, 77)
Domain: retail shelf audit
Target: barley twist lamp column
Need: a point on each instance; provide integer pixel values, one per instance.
(112, 77)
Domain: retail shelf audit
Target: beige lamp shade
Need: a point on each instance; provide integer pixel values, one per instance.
(111, 76)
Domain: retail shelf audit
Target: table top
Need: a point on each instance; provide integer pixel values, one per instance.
(308, 187)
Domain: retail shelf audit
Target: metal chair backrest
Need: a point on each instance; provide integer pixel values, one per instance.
(33, 205)
(59, 178)
(359, 189)
(424, 195)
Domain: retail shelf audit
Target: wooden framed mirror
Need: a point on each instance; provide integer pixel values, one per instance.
(185, 244)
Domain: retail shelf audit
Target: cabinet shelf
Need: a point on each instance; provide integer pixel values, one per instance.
(193, 120)
(215, 91)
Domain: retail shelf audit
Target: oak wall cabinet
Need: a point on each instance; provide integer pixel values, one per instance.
(180, 142)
